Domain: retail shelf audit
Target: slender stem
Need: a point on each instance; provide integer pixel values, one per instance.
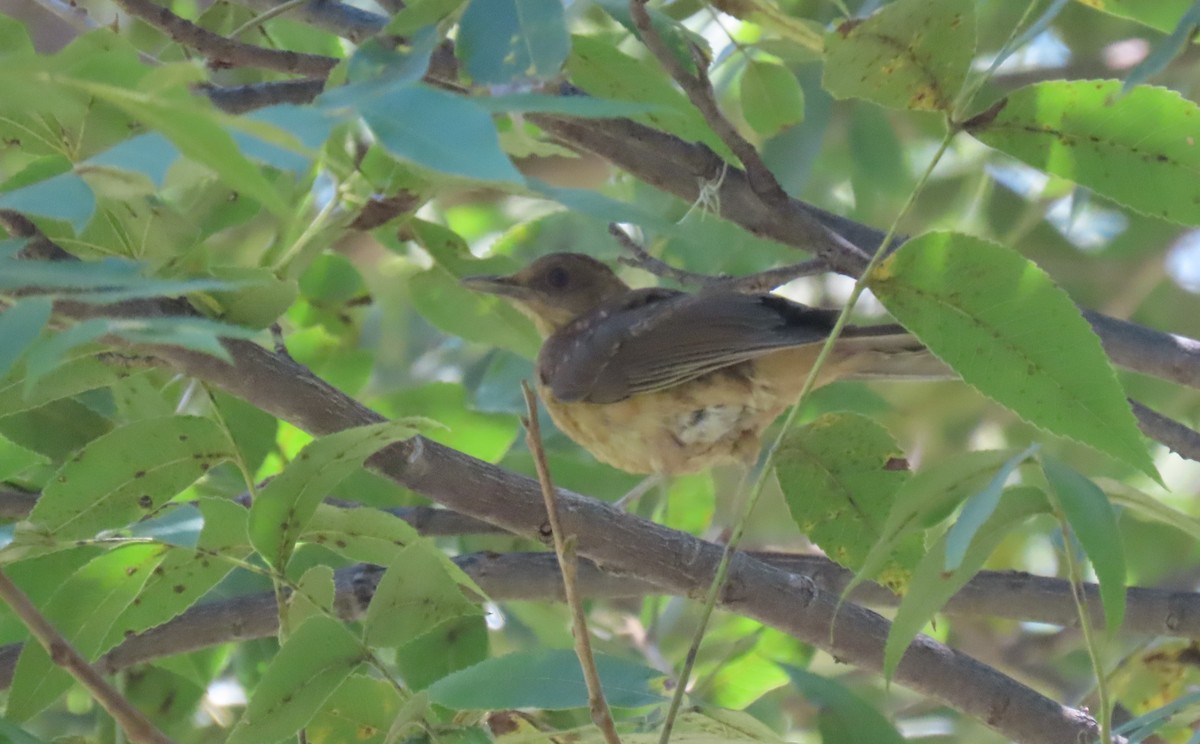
(756, 490)
(265, 16)
(136, 726)
(1075, 574)
(564, 548)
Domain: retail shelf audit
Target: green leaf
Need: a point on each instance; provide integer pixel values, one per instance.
(678, 38)
(14, 37)
(1163, 15)
(415, 595)
(440, 131)
(925, 499)
(451, 646)
(11, 733)
(978, 509)
(419, 14)
(596, 205)
(127, 474)
(843, 716)
(284, 507)
(506, 41)
(440, 298)
(256, 297)
(314, 595)
(932, 586)
(1000, 322)
(361, 534)
(1094, 522)
(1149, 507)
(15, 459)
(20, 325)
(484, 435)
(772, 98)
(185, 575)
(150, 154)
(548, 679)
(912, 54)
(196, 130)
(310, 666)
(604, 71)
(361, 710)
(839, 476)
(63, 197)
(83, 609)
(1090, 133)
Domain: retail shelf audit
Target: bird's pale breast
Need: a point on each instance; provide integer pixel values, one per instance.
(714, 419)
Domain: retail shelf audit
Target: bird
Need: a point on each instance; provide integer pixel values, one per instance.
(658, 381)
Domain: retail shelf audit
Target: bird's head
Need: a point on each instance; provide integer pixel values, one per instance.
(555, 289)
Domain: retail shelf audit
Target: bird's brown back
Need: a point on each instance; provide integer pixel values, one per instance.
(659, 381)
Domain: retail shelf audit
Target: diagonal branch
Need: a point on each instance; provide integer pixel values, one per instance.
(135, 725)
(672, 561)
(699, 91)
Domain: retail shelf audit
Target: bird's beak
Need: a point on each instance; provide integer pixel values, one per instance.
(504, 286)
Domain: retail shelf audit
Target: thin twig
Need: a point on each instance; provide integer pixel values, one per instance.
(699, 92)
(564, 548)
(763, 281)
(223, 50)
(136, 726)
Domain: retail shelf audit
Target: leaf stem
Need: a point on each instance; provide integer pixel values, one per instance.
(1074, 573)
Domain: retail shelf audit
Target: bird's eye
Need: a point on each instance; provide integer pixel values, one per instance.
(557, 277)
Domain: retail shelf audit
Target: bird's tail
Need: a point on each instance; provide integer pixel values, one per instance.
(887, 352)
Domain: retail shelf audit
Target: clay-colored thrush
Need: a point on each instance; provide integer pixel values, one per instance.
(659, 381)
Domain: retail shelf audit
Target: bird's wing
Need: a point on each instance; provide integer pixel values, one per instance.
(657, 339)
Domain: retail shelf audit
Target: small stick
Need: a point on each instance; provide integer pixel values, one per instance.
(763, 281)
(136, 726)
(699, 92)
(564, 548)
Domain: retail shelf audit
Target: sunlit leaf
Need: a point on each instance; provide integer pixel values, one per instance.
(839, 475)
(309, 667)
(1002, 323)
(1089, 132)
(1094, 522)
(911, 54)
(127, 474)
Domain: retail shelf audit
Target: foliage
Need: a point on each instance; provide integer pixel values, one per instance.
(176, 181)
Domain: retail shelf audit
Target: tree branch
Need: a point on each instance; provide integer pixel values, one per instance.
(625, 544)
(225, 51)
(699, 91)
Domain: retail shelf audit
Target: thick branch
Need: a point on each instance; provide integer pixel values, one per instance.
(535, 577)
(624, 544)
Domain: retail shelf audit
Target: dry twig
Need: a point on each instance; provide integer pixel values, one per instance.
(564, 549)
